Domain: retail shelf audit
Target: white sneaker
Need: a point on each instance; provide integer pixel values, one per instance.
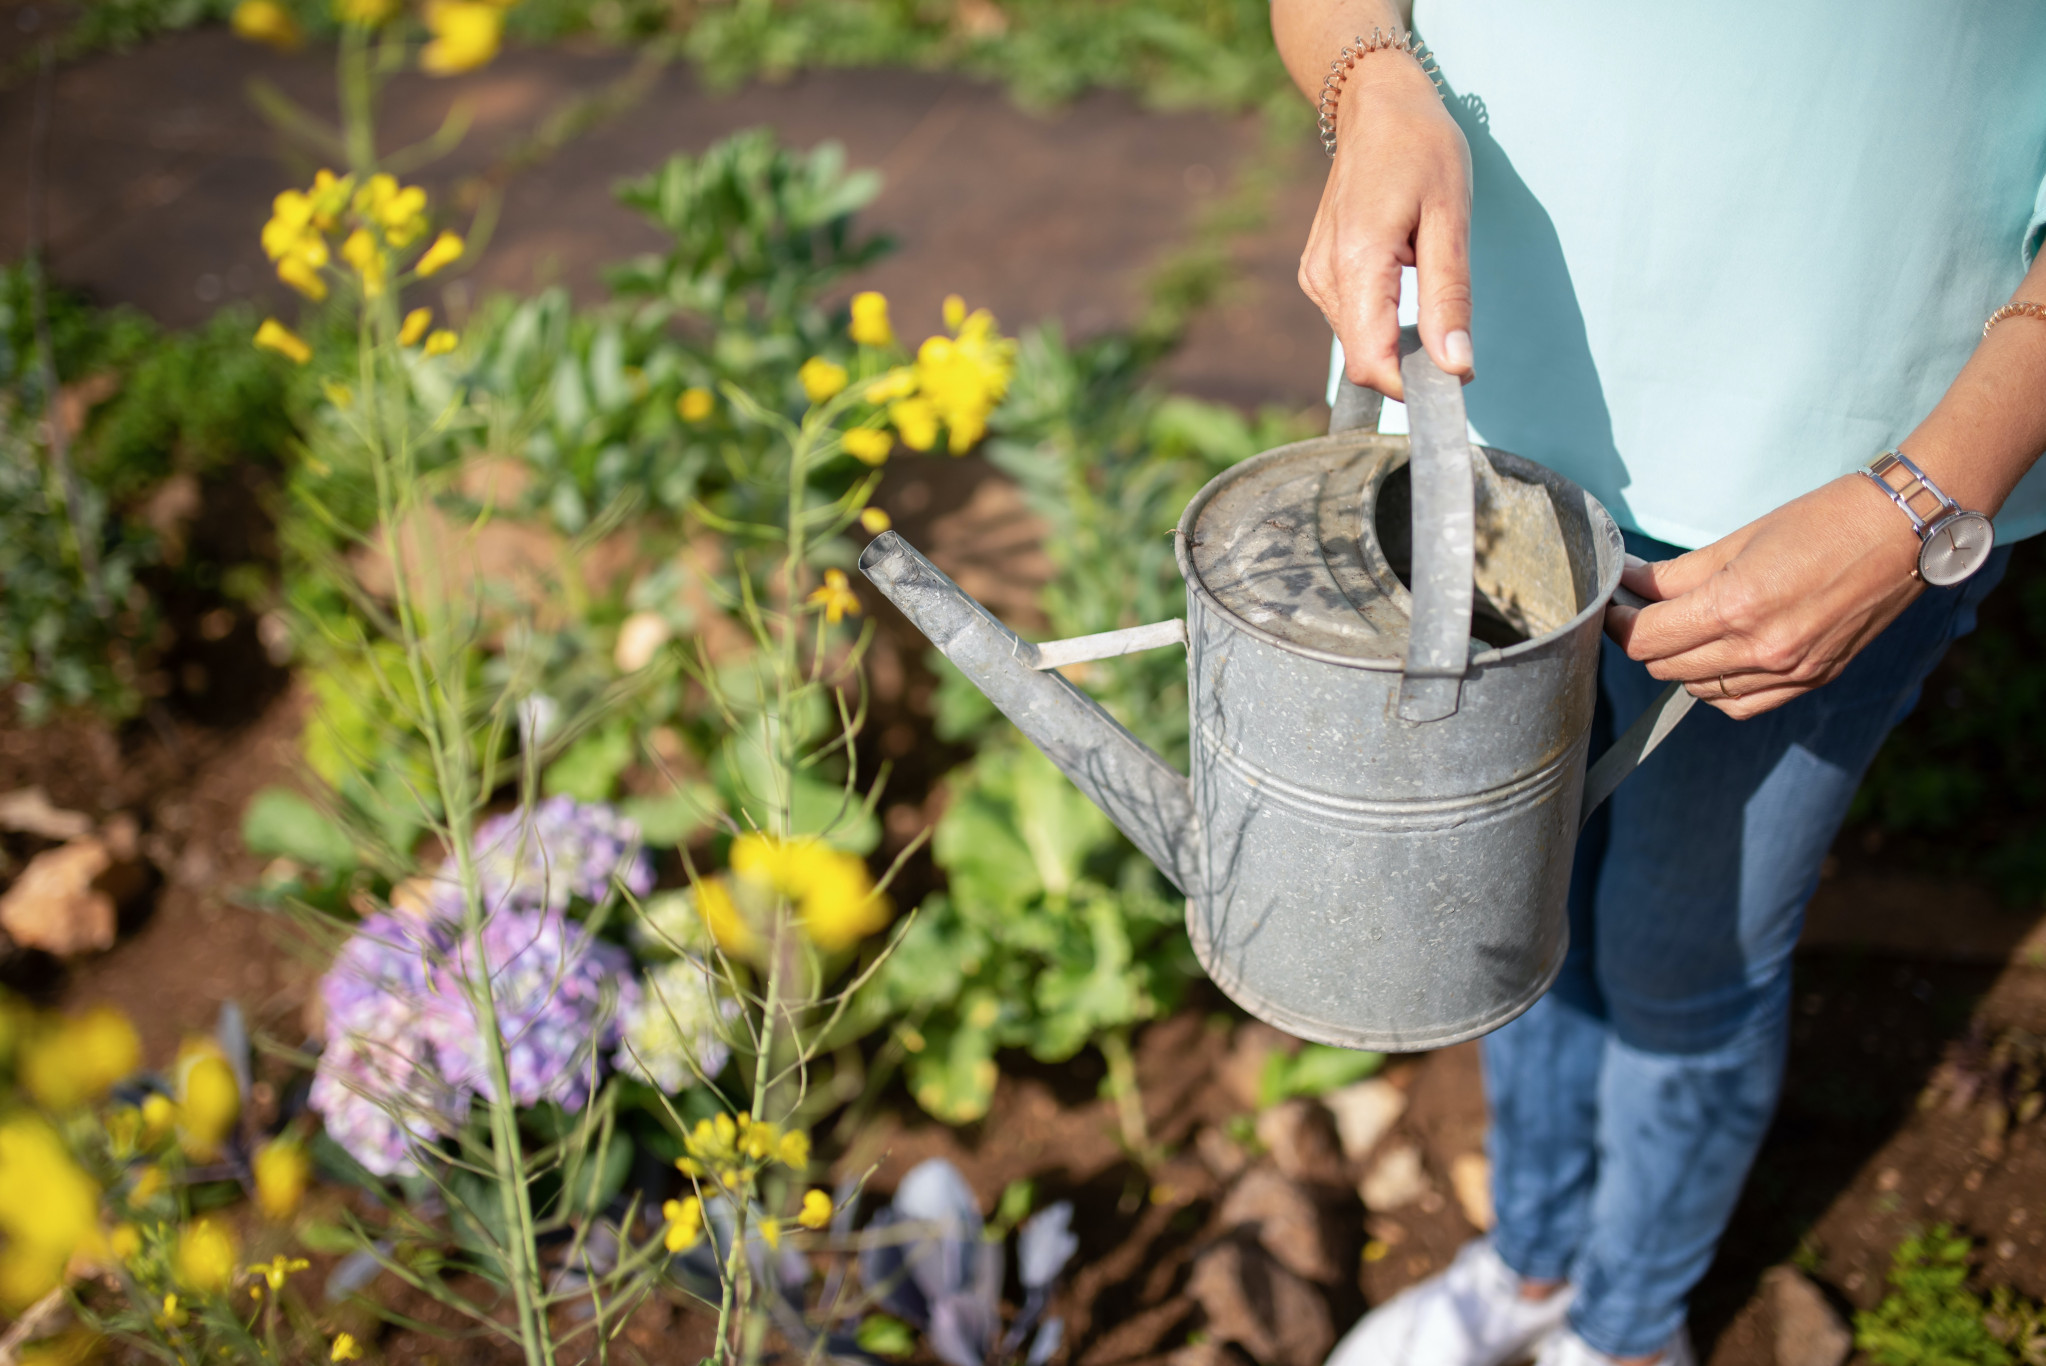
(1470, 1315)
(1568, 1349)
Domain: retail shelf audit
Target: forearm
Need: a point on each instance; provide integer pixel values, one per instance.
(1990, 427)
(1311, 32)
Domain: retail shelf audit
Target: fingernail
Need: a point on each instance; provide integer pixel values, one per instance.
(1635, 561)
(1457, 347)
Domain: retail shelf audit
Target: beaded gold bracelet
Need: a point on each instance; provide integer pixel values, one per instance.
(1381, 40)
(2023, 308)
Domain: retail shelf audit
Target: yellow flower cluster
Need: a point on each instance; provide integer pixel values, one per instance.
(870, 320)
(685, 1224)
(466, 35)
(49, 1211)
(206, 1255)
(269, 23)
(281, 1169)
(733, 1150)
(73, 1061)
(954, 384)
(385, 217)
(833, 894)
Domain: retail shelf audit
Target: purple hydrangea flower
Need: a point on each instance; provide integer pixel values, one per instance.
(563, 849)
(548, 976)
(403, 1052)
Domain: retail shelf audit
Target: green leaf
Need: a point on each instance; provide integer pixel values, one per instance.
(1315, 1070)
(281, 823)
(589, 770)
(674, 818)
(885, 1336)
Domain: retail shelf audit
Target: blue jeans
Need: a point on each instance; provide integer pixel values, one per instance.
(1629, 1103)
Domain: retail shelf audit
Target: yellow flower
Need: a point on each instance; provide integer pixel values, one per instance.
(298, 272)
(415, 325)
(836, 597)
(873, 521)
(368, 13)
(816, 1210)
(291, 219)
(125, 1242)
(124, 1126)
(159, 1112)
(965, 375)
(770, 1232)
(897, 383)
(149, 1183)
(870, 320)
(439, 343)
(77, 1059)
(466, 35)
(445, 251)
(278, 1270)
(695, 404)
(400, 212)
(917, 420)
(722, 917)
(821, 379)
(345, 1348)
(205, 1255)
(329, 197)
(281, 1169)
(834, 895)
(209, 1100)
(362, 252)
(49, 1211)
(172, 1316)
(685, 1224)
(870, 444)
(793, 1149)
(266, 21)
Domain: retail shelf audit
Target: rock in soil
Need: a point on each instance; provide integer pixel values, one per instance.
(1287, 1222)
(1808, 1331)
(1301, 1137)
(1253, 1301)
(68, 900)
(1243, 1071)
(1365, 1113)
(1221, 1154)
(29, 811)
(1470, 1176)
(1396, 1180)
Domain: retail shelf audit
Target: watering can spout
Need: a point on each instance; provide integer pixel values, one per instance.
(1145, 796)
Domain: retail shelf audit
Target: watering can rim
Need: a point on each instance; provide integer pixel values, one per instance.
(1603, 527)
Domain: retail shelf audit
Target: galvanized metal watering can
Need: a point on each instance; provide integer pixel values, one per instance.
(1376, 838)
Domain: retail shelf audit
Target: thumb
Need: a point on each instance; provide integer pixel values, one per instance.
(1661, 580)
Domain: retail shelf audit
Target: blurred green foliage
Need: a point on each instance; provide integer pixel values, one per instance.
(1931, 1318)
(81, 586)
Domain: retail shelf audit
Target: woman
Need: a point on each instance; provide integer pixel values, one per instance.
(1713, 263)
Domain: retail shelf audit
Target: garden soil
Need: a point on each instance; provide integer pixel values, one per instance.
(161, 177)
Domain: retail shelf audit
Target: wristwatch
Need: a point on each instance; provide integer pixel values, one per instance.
(1952, 541)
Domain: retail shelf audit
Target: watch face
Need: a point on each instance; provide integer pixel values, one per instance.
(1955, 548)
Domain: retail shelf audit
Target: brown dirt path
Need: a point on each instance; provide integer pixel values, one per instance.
(162, 172)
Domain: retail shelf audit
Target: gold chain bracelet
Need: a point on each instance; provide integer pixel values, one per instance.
(2023, 308)
(1381, 40)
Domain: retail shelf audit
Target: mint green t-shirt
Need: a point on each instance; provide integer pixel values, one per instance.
(1724, 253)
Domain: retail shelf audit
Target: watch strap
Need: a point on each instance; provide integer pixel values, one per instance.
(1916, 482)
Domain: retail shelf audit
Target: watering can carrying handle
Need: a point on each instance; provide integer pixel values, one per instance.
(1444, 538)
(1444, 534)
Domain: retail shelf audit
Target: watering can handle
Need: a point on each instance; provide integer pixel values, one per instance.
(1444, 529)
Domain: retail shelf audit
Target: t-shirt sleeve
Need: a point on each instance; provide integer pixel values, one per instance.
(2035, 231)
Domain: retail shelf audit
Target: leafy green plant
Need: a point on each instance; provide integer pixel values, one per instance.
(1931, 1318)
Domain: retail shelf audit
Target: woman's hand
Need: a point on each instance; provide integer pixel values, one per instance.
(1398, 195)
(1779, 607)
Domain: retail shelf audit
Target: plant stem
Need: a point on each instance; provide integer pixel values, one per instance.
(1129, 1101)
